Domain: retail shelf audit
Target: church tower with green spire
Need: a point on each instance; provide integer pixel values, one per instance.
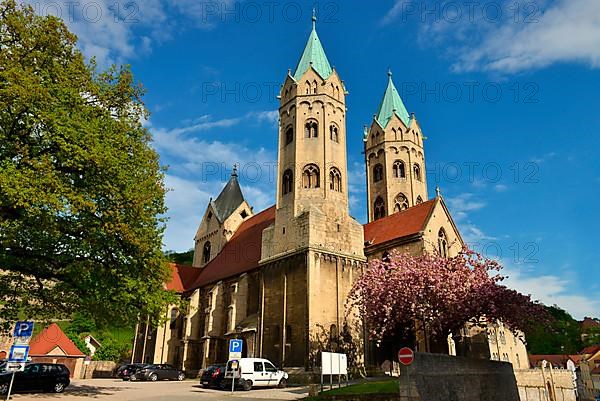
(312, 167)
(314, 246)
(394, 157)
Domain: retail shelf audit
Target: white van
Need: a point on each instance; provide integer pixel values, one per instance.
(254, 372)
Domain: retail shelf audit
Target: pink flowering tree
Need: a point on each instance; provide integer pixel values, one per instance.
(395, 295)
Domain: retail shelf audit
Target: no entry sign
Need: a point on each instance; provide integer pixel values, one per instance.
(406, 356)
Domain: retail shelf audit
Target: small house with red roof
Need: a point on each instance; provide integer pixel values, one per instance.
(52, 345)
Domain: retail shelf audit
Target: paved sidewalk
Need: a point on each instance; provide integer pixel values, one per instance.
(118, 390)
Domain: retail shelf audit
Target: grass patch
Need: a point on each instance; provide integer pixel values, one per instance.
(367, 387)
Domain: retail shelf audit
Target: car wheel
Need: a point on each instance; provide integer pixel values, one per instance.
(282, 383)
(247, 385)
(181, 377)
(222, 385)
(131, 378)
(59, 387)
(153, 377)
(3, 388)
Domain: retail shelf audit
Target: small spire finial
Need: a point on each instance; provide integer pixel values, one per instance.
(314, 18)
(234, 172)
(389, 72)
(438, 193)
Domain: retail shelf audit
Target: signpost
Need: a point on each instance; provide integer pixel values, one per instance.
(406, 356)
(19, 351)
(235, 353)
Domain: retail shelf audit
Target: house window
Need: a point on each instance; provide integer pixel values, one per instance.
(335, 180)
(443, 243)
(206, 252)
(398, 169)
(310, 176)
(333, 332)
(417, 172)
(419, 200)
(289, 135)
(377, 173)
(400, 202)
(379, 208)
(243, 214)
(333, 133)
(311, 129)
(287, 181)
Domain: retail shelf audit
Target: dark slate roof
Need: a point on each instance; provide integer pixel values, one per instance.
(229, 199)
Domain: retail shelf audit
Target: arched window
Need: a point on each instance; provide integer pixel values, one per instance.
(400, 202)
(337, 92)
(377, 173)
(335, 180)
(311, 129)
(443, 245)
(307, 87)
(379, 208)
(314, 87)
(206, 252)
(310, 176)
(173, 319)
(417, 172)
(287, 181)
(333, 332)
(419, 200)
(333, 133)
(398, 169)
(289, 135)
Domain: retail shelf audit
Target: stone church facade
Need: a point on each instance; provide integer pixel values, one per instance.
(278, 279)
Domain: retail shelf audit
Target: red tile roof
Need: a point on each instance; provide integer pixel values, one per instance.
(241, 253)
(555, 360)
(50, 338)
(589, 323)
(183, 277)
(592, 349)
(398, 225)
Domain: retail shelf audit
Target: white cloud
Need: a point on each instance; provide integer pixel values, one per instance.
(118, 31)
(200, 168)
(551, 290)
(534, 36)
(500, 188)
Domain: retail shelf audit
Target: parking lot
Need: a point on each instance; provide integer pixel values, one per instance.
(111, 389)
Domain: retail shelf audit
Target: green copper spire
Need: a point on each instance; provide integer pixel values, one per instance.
(391, 104)
(313, 55)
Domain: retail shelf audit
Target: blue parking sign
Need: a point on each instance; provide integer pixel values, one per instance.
(18, 353)
(235, 346)
(23, 329)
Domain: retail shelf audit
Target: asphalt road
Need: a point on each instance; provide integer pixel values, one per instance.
(188, 390)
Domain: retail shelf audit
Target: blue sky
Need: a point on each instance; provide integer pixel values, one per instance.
(505, 93)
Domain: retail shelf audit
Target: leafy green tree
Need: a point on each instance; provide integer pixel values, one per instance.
(562, 335)
(81, 189)
(184, 258)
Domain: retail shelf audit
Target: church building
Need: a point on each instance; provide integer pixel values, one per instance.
(278, 278)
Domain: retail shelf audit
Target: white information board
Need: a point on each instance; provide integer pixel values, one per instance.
(334, 364)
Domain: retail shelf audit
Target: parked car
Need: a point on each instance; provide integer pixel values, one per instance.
(125, 371)
(157, 372)
(37, 376)
(254, 372)
(212, 376)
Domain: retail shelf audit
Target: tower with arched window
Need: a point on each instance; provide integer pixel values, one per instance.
(394, 158)
(312, 172)
(315, 244)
